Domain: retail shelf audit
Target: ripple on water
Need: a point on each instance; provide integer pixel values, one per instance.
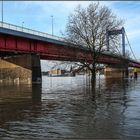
(64, 107)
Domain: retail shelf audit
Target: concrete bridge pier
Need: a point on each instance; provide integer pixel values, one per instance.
(114, 72)
(18, 69)
(36, 69)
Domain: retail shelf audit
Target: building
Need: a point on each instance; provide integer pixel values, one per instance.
(56, 72)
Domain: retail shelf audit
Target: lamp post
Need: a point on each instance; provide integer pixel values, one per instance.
(22, 25)
(52, 24)
(2, 12)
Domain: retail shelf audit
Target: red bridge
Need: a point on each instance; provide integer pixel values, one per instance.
(18, 40)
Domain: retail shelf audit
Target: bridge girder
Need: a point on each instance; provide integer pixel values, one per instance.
(10, 43)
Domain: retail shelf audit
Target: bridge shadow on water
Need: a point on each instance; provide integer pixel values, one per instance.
(66, 107)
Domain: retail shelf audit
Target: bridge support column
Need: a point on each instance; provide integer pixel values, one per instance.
(20, 69)
(112, 72)
(36, 69)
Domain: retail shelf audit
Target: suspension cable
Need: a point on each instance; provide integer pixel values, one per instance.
(130, 46)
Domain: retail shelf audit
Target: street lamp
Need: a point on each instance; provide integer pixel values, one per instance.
(22, 25)
(52, 24)
(2, 11)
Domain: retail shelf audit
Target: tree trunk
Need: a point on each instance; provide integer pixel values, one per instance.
(93, 77)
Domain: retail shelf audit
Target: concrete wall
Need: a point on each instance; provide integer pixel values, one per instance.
(20, 69)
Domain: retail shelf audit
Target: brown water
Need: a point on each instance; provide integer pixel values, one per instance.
(64, 107)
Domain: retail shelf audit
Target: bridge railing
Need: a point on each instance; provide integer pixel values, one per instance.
(29, 31)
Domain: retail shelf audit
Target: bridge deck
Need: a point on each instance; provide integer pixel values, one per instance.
(23, 40)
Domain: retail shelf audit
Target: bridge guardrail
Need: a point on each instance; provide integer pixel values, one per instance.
(29, 31)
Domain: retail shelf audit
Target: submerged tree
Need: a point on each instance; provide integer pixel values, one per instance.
(87, 27)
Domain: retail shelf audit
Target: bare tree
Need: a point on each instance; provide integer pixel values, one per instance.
(87, 27)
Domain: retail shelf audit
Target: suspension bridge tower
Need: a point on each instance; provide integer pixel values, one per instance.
(121, 70)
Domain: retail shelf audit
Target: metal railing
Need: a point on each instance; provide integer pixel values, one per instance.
(29, 31)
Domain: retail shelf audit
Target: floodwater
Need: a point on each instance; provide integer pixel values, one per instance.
(65, 108)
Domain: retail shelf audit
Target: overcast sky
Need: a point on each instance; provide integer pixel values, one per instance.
(37, 15)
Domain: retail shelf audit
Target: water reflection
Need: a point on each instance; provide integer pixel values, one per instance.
(36, 92)
(63, 107)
